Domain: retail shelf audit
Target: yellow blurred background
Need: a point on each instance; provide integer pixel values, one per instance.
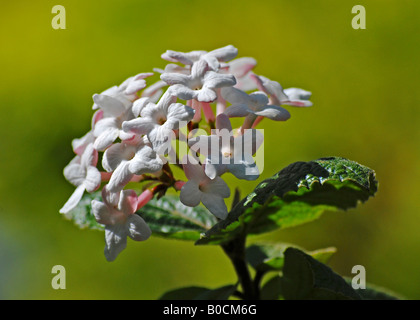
(366, 108)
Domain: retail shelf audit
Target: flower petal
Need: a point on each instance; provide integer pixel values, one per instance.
(111, 106)
(115, 241)
(93, 179)
(101, 212)
(190, 194)
(215, 204)
(74, 199)
(273, 112)
(106, 138)
(121, 176)
(128, 201)
(138, 230)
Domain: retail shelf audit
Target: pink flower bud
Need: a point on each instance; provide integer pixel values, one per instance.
(179, 184)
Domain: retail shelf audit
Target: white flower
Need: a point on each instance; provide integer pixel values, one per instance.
(252, 105)
(213, 58)
(126, 91)
(83, 174)
(201, 84)
(292, 96)
(200, 188)
(116, 212)
(241, 68)
(226, 153)
(109, 128)
(159, 120)
(127, 159)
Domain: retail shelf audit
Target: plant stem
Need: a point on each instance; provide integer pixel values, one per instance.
(235, 250)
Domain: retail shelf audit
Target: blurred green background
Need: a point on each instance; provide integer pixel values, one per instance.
(366, 108)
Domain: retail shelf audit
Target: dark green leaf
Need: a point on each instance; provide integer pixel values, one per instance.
(305, 278)
(222, 293)
(270, 256)
(271, 290)
(169, 218)
(373, 292)
(82, 215)
(297, 194)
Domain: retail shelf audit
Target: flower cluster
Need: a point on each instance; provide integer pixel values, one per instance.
(134, 126)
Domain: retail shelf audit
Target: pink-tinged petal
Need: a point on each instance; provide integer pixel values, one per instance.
(144, 198)
(220, 103)
(75, 173)
(240, 67)
(138, 230)
(235, 96)
(115, 241)
(154, 91)
(111, 106)
(246, 83)
(215, 204)
(120, 177)
(101, 212)
(93, 179)
(74, 199)
(98, 115)
(80, 144)
(274, 113)
(212, 62)
(298, 103)
(106, 138)
(128, 201)
(223, 122)
(139, 125)
(190, 194)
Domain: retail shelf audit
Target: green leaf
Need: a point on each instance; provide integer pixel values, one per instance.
(374, 292)
(199, 293)
(82, 215)
(305, 278)
(298, 194)
(271, 290)
(169, 218)
(265, 257)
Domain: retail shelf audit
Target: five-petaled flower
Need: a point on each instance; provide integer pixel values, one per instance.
(117, 213)
(200, 188)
